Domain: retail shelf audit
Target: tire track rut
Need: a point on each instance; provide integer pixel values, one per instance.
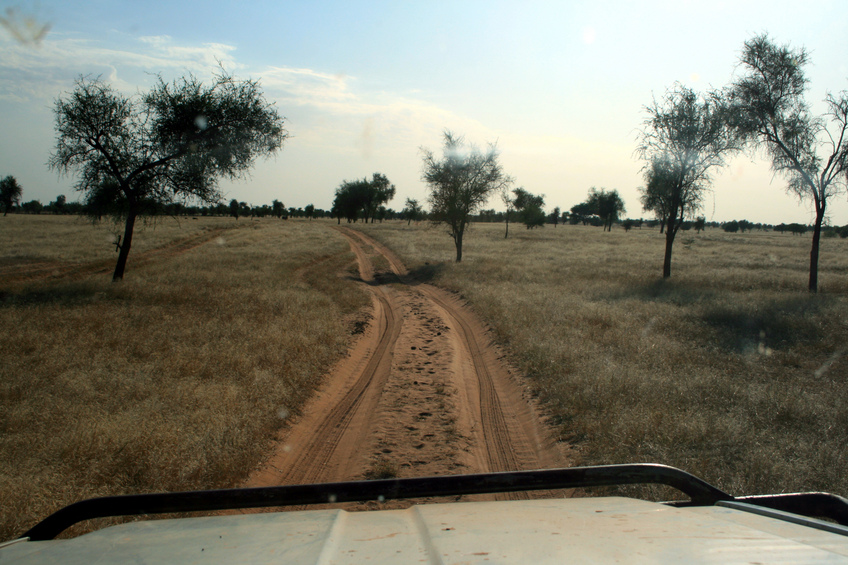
(508, 443)
(326, 443)
(422, 390)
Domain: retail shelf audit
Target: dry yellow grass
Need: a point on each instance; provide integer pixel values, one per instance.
(175, 378)
(729, 370)
(178, 377)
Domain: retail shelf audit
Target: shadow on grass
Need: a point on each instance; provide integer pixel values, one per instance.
(664, 291)
(742, 322)
(65, 294)
(774, 325)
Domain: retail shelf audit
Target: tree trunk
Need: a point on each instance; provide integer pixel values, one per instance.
(457, 239)
(670, 232)
(669, 242)
(814, 251)
(125, 248)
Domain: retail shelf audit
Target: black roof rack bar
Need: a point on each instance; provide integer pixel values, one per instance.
(700, 492)
(810, 504)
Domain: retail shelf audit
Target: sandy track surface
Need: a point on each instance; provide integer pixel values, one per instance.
(422, 392)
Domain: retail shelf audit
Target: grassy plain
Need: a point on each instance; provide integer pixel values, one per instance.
(729, 369)
(175, 378)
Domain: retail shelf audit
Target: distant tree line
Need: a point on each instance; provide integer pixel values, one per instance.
(529, 211)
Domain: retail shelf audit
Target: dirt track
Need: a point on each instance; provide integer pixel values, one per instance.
(422, 392)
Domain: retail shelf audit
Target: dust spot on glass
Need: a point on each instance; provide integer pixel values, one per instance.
(220, 241)
(332, 498)
(283, 413)
(762, 348)
(27, 30)
(649, 327)
(820, 372)
(201, 122)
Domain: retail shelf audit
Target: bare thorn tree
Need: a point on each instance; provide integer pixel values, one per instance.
(171, 144)
(770, 112)
(685, 138)
(460, 183)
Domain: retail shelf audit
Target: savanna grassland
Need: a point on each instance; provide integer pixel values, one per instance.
(178, 377)
(730, 369)
(175, 378)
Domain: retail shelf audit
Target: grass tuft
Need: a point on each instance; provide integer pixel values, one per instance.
(382, 468)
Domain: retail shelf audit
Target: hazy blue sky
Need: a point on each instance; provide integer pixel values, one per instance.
(560, 86)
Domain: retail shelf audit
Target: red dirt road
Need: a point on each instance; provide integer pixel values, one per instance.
(422, 392)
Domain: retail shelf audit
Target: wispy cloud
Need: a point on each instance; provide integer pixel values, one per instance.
(47, 69)
(306, 86)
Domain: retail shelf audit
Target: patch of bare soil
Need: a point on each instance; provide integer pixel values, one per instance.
(422, 392)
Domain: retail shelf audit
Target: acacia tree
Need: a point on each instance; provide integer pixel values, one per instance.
(278, 209)
(508, 203)
(460, 183)
(770, 112)
(59, 204)
(412, 210)
(582, 213)
(348, 201)
(656, 194)
(171, 144)
(685, 138)
(10, 193)
(607, 205)
(530, 208)
(379, 192)
(362, 197)
(554, 217)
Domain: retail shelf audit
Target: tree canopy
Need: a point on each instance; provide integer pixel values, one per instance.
(278, 209)
(362, 197)
(412, 211)
(582, 213)
(10, 193)
(530, 208)
(170, 144)
(460, 182)
(554, 216)
(607, 205)
(770, 112)
(684, 139)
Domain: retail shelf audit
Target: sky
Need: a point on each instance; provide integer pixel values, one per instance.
(560, 87)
